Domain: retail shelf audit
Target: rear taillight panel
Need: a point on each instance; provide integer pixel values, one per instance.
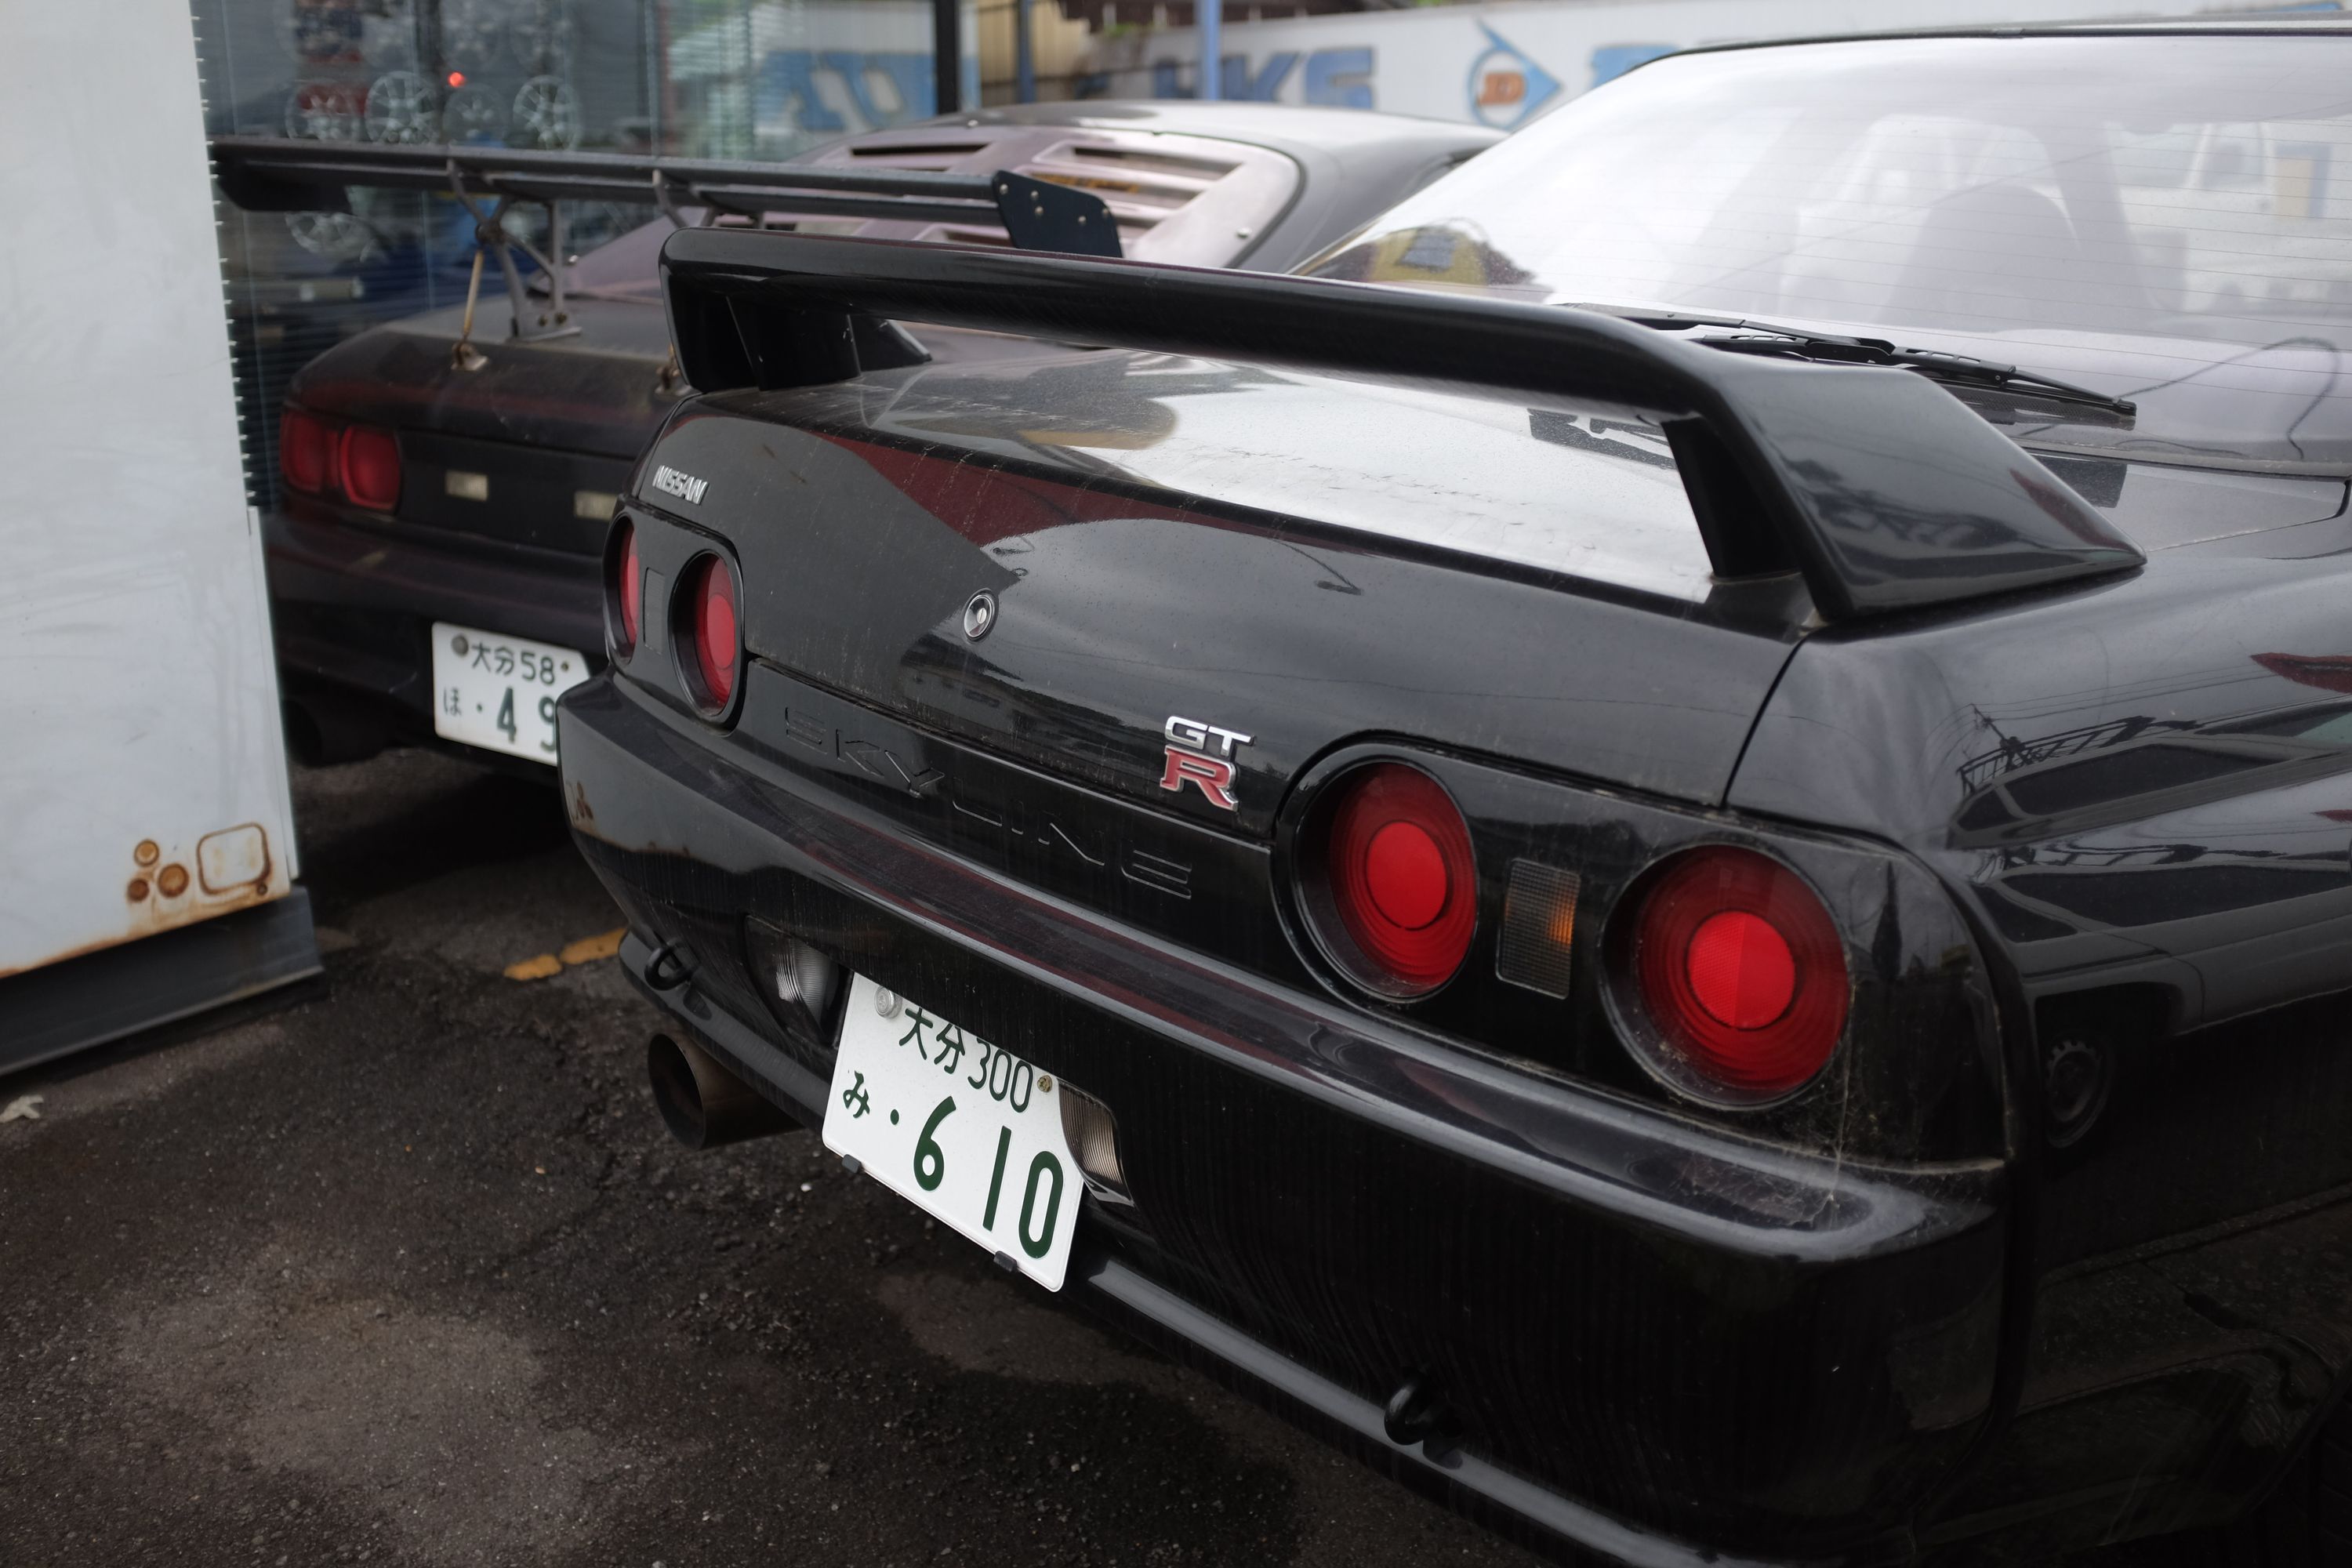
(706, 630)
(1728, 975)
(337, 460)
(1390, 891)
(306, 451)
(674, 612)
(367, 466)
(1818, 989)
(625, 589)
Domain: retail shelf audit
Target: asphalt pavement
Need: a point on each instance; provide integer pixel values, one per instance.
(399, 1268)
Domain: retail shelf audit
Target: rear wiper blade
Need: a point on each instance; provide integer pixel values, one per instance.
(1747, 336)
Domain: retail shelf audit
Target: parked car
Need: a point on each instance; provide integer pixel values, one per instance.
(1667, 847)
(451, 597)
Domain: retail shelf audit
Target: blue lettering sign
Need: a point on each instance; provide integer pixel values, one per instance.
(1611, 61)
(1340, 77)
(1262, 87)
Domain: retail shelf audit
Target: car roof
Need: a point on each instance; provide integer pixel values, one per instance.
(1352, 164)
(2191, 27)
(1267, 124)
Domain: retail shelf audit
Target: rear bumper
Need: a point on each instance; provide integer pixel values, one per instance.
(1649, 1333)
(353, 606)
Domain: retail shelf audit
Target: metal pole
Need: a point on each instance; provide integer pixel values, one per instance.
(1212, 14)
(1024, 54)
(947, 56)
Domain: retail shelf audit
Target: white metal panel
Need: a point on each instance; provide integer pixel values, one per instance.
(139, 735)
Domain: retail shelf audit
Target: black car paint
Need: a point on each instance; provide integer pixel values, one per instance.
(1326, 1222)
(1113, 624)
(2097, 1293)
(2112, 780)
(1786, 467)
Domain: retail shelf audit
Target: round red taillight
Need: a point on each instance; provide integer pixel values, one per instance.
(371, 468)
(628, 584)
(306, 451)
(1741, 971)
(713, 641)
(1399, 894)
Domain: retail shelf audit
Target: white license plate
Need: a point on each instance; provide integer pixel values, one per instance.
(968, 1131)
(499, 692)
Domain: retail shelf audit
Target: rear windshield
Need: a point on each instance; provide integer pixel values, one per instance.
(2164, 217)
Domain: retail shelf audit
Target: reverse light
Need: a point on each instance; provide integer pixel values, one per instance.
(1398, 895)
(1092, 1133)
(796, 982)
(1740, 970)
(628, 586)
(712, 646)
(306, 451)
(368, 460)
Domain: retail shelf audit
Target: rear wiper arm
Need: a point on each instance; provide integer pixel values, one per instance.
(1750, 336)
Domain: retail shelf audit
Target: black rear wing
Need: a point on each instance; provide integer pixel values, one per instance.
(1883, 489)
(268, 173)
(265, 174)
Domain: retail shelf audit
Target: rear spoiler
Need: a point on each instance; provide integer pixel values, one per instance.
(1880, 487)
(268, 173)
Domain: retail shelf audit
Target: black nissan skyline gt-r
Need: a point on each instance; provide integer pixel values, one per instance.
(1667, 845)
(433, 556)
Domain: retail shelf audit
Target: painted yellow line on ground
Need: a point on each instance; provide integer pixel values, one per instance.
(588, 948)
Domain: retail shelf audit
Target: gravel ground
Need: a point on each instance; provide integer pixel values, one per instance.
(399, 1268)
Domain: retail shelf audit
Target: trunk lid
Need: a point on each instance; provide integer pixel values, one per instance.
(532, 447)
(1181, 552)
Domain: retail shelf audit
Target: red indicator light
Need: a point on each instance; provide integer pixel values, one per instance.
(1741, 970)
(715, 638)
(1405, 872)
(629, 587)
(306, 451)
(1402, 880)
(371, 468)
(456, 79)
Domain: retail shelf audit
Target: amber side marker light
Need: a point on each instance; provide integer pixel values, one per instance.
(712, 646)
(1739, 969)
(1399, 884)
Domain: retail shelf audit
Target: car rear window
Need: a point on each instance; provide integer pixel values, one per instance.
(2167, 218)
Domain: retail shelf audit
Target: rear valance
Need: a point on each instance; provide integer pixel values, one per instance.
(1881, 489)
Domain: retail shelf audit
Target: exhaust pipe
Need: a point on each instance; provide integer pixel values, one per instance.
(701, 1103)
(320, 733)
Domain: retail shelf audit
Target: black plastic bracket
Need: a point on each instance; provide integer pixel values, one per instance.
(1042, 215)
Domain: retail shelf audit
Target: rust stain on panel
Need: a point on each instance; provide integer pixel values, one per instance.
(234, 870)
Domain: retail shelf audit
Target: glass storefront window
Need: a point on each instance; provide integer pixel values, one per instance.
(701, 79)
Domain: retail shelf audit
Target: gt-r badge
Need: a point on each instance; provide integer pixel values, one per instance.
(684, 487)
(1202, 755)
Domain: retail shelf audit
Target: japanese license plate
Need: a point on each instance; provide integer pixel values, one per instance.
(499, 692)
(965, 1130)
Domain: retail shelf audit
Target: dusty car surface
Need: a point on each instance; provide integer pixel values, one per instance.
(432, 559)
(1667, 847)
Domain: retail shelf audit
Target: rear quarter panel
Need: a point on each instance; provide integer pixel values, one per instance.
(2143, 793)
